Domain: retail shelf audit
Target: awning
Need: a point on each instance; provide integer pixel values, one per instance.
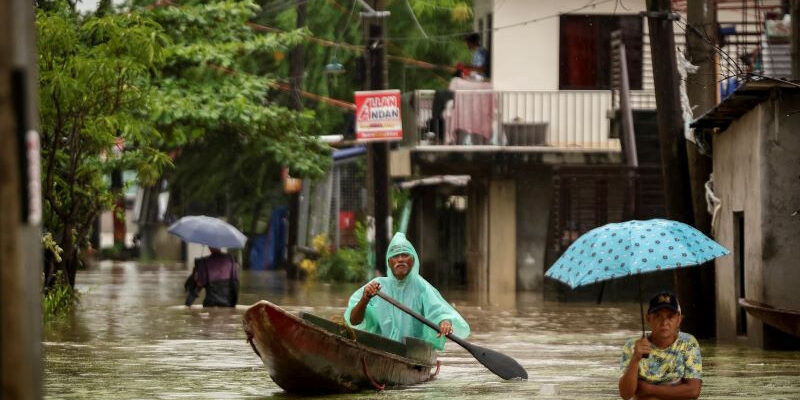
(348, 152)
(453, 180)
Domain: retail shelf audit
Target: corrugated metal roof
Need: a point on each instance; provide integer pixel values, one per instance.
(744, 99)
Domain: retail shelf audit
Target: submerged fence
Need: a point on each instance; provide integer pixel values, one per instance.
(332, 205)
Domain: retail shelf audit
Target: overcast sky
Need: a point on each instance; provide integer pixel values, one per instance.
(91, 5)
(87, 5)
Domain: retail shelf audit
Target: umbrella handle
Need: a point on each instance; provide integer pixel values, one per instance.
(641, 309)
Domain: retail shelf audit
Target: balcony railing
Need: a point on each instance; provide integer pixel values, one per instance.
(547, 119)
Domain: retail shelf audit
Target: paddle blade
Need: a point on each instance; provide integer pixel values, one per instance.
(499, 363)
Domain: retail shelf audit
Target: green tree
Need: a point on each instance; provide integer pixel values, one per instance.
(339, 21)
(437, 39)
(95, 75)
(218, 107)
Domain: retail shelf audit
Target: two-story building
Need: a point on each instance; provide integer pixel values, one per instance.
(540, 144)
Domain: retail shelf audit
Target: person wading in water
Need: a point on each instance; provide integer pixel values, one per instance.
(674, 367)
(218, 274)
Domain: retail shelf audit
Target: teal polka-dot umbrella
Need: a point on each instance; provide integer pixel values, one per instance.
(630, 248)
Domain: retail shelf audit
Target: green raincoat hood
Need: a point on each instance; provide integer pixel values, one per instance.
(400, 245)
(414, 292)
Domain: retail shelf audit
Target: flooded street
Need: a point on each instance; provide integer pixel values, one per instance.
(131, 338)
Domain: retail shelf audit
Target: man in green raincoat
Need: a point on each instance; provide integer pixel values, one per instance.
(404, 284)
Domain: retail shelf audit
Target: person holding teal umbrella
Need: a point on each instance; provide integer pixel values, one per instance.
(667, 363)
(633, 248)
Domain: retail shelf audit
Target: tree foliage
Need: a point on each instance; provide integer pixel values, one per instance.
(197, 82)
(444, 23)
(216, 103)
(95, 91)
(185, 80)
(339, 21)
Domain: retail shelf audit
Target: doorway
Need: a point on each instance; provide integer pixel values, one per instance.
(739, 268)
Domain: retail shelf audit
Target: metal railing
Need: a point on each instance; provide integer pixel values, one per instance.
(555, 118)
(562, 118)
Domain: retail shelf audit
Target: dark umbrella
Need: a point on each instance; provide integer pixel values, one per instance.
(209, 231)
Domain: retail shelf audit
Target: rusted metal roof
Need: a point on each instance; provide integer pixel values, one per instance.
(744, 99)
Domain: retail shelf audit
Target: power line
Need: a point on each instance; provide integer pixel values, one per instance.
(591, 4)
(706, 39)
(287, 88)
(416, 21)
(354, 48)
(282, 6)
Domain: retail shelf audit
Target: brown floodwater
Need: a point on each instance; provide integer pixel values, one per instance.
(131, 338)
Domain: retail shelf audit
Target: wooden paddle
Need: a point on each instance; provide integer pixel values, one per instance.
(500, 364)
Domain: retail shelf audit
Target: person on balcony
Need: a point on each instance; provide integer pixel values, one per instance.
(478, 69)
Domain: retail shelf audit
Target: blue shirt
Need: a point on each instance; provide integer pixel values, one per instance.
(479, 57)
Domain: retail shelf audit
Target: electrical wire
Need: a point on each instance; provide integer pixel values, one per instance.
(279, 7)
(346, 25)
(716, 48)
(590, 4)
(416, 21)
(357, 49)
(740, 72)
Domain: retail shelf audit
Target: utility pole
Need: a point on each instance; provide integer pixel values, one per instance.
(701, 88)
(20, 208)
(296, 73)
(795, 12)
(674, 162)
(378, 152)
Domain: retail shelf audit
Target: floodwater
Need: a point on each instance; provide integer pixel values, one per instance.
(131, 338)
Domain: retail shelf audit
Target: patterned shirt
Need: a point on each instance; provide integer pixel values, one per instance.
(681, 360)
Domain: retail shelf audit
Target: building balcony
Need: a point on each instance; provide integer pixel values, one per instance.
(544, 126)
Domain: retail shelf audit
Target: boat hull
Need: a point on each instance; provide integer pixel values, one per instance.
(304, 358)
(787, 321)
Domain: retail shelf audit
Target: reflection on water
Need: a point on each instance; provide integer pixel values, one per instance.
(132, 339)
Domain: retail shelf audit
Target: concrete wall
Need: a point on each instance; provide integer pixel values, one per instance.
(427, 232)
(477, 238)
(780, 141)
(491, 240)
(534, 195)
(737, 173)
(502, 242)
(525, 57)
(756, 169)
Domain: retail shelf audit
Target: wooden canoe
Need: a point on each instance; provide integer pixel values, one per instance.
(785, 320)
(307, 354)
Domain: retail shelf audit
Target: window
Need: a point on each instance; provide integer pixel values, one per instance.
(585, 50)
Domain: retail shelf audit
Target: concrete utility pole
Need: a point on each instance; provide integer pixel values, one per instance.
(378, 171)
(674, 163)
(795, 11)
(20, 207)
(702, 91)
(296, 72)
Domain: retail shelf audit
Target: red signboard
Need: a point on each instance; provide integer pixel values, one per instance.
(378, 115)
